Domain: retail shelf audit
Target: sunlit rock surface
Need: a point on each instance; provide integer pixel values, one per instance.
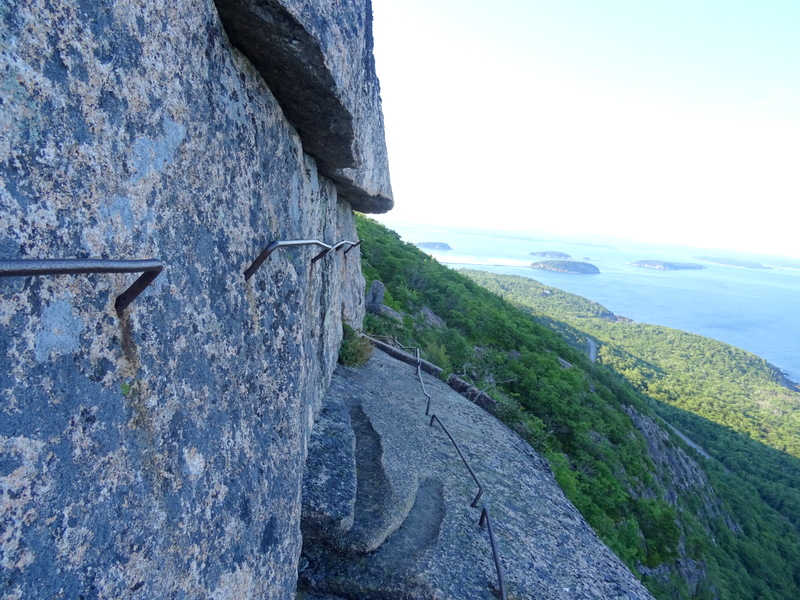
(158, 453)
(410, 531)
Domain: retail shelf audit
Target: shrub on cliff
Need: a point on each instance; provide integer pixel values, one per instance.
(355, 350)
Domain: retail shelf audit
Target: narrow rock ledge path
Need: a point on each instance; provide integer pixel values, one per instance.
(386, 506)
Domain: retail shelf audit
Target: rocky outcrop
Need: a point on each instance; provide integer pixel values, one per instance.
(431, 318)
(375, 295)
(157, 452)
(680, 475)
(317, 59)
(374, 302)
(684, 472)
(414, 533)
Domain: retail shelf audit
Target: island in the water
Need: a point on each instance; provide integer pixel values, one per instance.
(566, 266)
(433, 245)
(732, 262)
(551, 254)
(665, 265)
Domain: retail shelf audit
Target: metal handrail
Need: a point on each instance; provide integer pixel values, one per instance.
(474, 503)
(427, 413)
(283, 243)
(495, 552)
(150, 268)
(352, 245)
(419, 376)
(484, 518)
(334, 248)
(424, 391)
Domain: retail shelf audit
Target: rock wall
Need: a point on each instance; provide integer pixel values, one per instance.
(158, 452)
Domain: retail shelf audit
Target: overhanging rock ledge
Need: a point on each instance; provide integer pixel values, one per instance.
(317, 59)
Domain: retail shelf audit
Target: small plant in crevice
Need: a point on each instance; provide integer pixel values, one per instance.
(355, 350)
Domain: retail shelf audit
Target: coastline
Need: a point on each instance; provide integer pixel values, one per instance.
(742, 307)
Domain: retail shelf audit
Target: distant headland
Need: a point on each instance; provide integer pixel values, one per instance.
(732, 262)
(665, 265)
(433, 245)
(566, 266)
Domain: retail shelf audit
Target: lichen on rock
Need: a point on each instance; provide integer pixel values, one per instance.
(158, 453)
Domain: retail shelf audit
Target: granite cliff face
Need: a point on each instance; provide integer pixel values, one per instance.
(158, 453)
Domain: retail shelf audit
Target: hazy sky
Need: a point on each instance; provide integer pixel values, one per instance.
(662, 120)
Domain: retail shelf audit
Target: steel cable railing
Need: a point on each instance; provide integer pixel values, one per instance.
(150, 268)
(328, 248)
(485, 519)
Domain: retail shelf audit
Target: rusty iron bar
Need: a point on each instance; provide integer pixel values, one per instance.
(274, 246)
(419, 376)
(150, 268)
(486, 519)
(474, 503)
(284, 243)
(434, 417)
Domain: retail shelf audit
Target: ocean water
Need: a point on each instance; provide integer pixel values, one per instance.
(753, 309)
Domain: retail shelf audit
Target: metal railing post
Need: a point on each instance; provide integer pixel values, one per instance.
(248, 273)
(150, 269)
(495, 551)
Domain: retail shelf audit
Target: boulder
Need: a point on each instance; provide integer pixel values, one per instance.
(375, 305)
(375, 296)
(431, 318)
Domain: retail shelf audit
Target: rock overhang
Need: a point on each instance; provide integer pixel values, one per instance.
(317, 60)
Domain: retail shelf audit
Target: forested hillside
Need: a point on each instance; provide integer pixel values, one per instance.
(700, 376)
(689, 527)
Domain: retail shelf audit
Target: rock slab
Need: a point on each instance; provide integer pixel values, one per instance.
(435, 547)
